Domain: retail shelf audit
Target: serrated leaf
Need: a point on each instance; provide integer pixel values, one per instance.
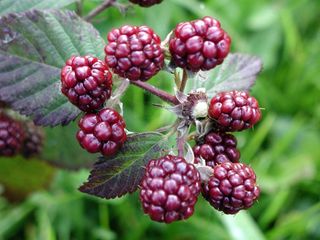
(33, 47)
(237, 72)
(116, 176)
(9, 6)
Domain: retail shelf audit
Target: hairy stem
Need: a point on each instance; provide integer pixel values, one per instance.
(156, 91)
(106, 4)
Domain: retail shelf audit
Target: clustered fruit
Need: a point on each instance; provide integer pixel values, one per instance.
(171, 185)
(18, 137)
(146, 3)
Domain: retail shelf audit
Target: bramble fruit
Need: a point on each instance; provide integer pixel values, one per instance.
(134, 52)
(169, 189)
(102, 132)
(87, 82)
(234, 111)
(199, 45)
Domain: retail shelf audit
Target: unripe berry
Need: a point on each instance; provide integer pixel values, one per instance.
(87, 82)
(134, 52)
(234, 111)
(169, 189)
(102, 132)
(199, 45)
(11, 136)
(217, 148)
(231, 188)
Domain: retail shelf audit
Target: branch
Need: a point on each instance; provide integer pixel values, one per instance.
(106, 4)
(157, 92)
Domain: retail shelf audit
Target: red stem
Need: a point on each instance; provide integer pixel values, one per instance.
(156, 91)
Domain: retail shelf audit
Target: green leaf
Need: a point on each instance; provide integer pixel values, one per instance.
(237, 72)
(9, 6)
(33, 47)
(121, 174)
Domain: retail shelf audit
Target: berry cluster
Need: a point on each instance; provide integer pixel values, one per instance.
(171, 184)
(18, 137)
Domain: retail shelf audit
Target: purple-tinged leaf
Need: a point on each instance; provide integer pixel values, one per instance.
(237, 72)
(121, 174)
(34, 45)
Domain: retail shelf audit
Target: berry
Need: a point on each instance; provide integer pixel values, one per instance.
(217, 148)
(11, 136)
(33, 141)
(102, 132)
(231, 188)
(169, 189)
(234, 111)
(134, 52)
(87, 82)
(199, 45)
(146, 3)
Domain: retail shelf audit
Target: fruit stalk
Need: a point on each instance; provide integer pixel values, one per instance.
(157, 92)
(106, 4)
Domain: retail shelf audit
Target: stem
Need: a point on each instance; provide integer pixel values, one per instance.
(156, 91)
(183, 81)
(180, 145)
(106, 4)
(79, 7)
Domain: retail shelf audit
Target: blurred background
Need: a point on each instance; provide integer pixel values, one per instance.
(41, 201)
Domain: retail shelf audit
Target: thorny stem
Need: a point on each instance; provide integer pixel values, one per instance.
(156, 91)
(106, 4)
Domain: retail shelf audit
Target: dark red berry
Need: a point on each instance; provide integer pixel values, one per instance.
(102, 132)
(169, 189)
(33, 141)
(146, 3)
(231, 188)
(87, 82)
(11, 136)
(217, 148)
(234, 111)
(134, 52)
(199, 45)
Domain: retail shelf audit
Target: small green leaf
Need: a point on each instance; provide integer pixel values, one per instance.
(121, 174)
(9, 6)
(34, 45)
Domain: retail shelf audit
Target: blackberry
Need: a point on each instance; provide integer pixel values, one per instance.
(231, 188)
(217, 148)
(199, 45)
(134, 52)
(146, 3)
(87, 82)
(234, 111)
(33, 141)
(11, 136)
(102, 132)
(169, 189)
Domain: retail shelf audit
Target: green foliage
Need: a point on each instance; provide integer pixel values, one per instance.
(283, 149)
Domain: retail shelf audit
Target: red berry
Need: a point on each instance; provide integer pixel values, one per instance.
(102, 132)
(87, 82)
(33, 141)
(217, 148)
(199, 45)
(169, 189)
(134, 52)
(234, 111)
(146, 3)
(11, 136)
(231, 188)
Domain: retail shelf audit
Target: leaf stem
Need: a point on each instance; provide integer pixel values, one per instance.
(106, 4)
(156, 91)
(183, 81)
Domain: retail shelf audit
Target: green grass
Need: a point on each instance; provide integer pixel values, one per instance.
(283, 148)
